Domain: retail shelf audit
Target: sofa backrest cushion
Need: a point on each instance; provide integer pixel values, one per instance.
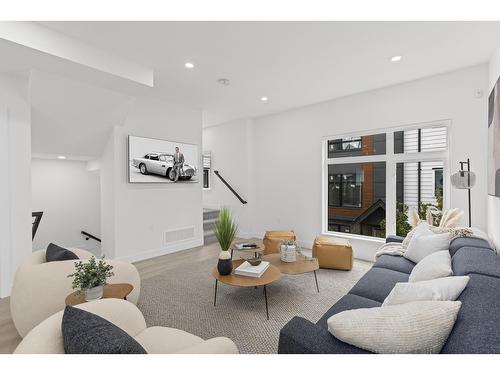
(476, 260)
(395, 263)
(477, 328)
(377, 283)
(460, 242)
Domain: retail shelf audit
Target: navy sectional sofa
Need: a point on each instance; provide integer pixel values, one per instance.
(477, 329)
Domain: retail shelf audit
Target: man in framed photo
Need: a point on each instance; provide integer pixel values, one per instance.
(178, 163)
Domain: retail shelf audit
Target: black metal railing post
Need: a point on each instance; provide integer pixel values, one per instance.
(88, 236)
(230, 187)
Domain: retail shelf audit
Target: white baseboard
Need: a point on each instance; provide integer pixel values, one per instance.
(172, 248)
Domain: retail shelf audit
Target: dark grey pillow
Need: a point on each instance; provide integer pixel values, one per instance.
(87, 333)
(56, 253)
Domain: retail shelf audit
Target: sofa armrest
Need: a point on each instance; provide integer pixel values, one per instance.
(394, 238)
(46, 337)
(300, 336)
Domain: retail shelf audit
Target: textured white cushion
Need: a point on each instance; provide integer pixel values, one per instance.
(442, 289)
(433, 266)
(424, 243)
(415, 327)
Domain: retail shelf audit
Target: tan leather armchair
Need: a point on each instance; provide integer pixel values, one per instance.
(273, 238)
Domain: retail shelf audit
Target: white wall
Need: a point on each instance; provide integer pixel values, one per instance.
(287, 154)
(69, 196)
(494, 202)
(136, 216)
(15, 184)
(231, 149)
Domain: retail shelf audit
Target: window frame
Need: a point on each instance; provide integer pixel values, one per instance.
(391, 159)
(209, 172)
(434, 179)
(345, 140)
(341, 191)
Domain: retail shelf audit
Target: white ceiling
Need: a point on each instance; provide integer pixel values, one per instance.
(292, 63)
(72, 118)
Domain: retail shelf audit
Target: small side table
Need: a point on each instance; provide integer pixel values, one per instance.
(120, 291)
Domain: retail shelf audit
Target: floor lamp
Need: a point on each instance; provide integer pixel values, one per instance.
(464, 179)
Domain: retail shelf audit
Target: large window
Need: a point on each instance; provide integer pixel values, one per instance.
(419, 186)
(345, 183)
(372, 181)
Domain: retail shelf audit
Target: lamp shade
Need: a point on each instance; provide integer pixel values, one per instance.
(463, 179)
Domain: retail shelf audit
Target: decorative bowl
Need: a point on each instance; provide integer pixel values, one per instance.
(254, 261)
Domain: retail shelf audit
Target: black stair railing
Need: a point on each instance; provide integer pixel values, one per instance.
(230, 187)
(36, 217)
(88, 236)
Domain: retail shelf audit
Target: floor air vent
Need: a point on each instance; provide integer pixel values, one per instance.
(177, 235)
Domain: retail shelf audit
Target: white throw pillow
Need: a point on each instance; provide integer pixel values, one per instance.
(421, 229)
(423, 244)
(442, 289)
(415, 327)
(410, 292)
(433, 266)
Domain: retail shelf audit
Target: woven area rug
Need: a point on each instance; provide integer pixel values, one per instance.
(183, 298)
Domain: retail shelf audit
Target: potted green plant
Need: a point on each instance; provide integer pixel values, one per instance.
(225, 232)
(90, 277)
(288, 251)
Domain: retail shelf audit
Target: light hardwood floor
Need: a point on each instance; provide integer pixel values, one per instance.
(9, 337)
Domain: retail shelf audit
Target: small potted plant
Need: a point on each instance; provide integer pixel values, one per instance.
(225, 232)
(288, 251)
(90, 277)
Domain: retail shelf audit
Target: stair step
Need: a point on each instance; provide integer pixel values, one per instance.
(208, 239)
(209, 232)
(209, 214)
(208, 226)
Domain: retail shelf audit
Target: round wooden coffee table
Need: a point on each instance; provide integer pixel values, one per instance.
(271, 274)
(299, 267)
(120, 291)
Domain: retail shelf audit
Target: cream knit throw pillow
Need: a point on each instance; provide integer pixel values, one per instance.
(415, 327)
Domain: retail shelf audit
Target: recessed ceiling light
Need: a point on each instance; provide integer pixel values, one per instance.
(396, 58)
(189, 65)
(264, 99)
(223, 81)
(62, 157)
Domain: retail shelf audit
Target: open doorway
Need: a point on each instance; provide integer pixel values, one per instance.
(68, 193)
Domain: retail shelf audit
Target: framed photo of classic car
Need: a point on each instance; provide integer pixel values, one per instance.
(160, 161)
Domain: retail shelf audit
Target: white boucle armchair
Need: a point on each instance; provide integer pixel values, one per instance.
(40, 288)
(46, 338)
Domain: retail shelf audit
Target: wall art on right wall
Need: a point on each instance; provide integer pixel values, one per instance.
(494, 141)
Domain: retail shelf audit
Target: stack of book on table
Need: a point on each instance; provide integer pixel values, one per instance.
(246, 269)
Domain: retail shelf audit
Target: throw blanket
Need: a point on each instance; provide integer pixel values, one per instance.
(391, 248)
(398, 249)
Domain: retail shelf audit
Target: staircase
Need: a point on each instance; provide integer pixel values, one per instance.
(209, 218)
